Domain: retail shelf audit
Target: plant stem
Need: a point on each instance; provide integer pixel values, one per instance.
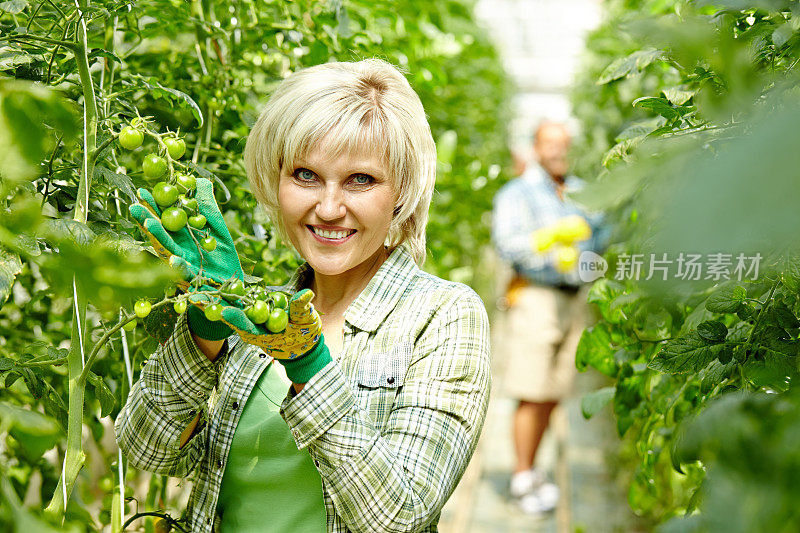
(75, 457)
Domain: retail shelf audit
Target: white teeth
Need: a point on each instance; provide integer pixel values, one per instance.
(331, 234)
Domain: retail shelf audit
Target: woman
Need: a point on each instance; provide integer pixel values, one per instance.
(389, 368)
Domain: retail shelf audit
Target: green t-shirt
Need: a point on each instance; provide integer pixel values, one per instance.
(269, 485)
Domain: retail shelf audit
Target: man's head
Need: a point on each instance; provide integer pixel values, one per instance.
(551, 142)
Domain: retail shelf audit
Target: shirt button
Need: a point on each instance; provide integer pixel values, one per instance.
(390, 380)
(208, 521)
(316, 463)
(262, 355)
(219, 463)
(235, 405)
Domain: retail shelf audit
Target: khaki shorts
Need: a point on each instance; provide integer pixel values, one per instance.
(537, 338)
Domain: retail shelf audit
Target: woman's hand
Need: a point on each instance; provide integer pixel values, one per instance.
(182, 248)
(300, 347)
(202, 269)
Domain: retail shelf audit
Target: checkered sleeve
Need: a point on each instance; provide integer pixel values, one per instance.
(398, 479)
(173, 387)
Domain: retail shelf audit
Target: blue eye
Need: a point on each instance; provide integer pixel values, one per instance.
(362, 179)
(304, 174)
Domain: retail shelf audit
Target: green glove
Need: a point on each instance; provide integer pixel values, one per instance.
(201, 269)
(300, 347)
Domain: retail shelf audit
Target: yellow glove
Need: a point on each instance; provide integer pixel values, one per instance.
(566, 258)
(572, 229)
(301, 335)
(542, 239)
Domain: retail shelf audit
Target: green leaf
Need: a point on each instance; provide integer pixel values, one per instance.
(27, 421)
(14, 6)
(6, 364)
(596, 350)
(10, 266)
(776, 372)
(103, 394)
(159, 91)
(11, 58)
(683, 355)
(68, 229)
(698, 315)
(727, 299)
(632, 64)
(593, 402)
(791, 273)
(658, 105)
(120, 181)
(621, 151)
(714, 374)
(712, 331)
(678, 96)
(25, 110)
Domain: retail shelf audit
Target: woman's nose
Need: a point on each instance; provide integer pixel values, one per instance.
(330, 205)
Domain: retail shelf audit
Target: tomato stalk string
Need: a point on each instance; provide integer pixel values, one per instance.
(129, 375)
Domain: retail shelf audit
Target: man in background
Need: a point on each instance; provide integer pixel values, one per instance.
(540, 234)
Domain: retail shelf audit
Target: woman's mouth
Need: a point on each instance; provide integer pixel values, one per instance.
(331, 236)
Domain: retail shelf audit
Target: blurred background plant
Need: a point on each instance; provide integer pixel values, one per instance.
(689, 113)
(71, 262)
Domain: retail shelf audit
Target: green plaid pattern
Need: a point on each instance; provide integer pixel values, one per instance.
(391, 424)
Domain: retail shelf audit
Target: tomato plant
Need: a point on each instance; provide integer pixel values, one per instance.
(681, 108)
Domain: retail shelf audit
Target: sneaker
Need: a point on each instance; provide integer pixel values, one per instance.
(532, 504)
(539, 495)
(548, 494)
(524, 482)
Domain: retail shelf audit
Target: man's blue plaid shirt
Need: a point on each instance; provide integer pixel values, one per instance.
(528, 203)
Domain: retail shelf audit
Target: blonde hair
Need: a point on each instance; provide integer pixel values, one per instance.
(351, 105)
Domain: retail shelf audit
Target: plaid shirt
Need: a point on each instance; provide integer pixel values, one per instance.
(531, 202)
(390, 425)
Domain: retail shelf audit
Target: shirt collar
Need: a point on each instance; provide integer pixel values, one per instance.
(381, 294)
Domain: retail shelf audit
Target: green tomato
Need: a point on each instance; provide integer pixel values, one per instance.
(129, 326)
(130, 138)
(188, 203)
(179, 306)
(174, 219)
(175, 147)
(213, 312)
(259, 293)
(209, 244)
(197, 221)
(237, 288)
(279, 300)
(142, 308)
(165, 194)
(258, 313)
(277, 321)
(186, 182)
(154, 166)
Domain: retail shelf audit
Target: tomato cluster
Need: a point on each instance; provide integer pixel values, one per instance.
(174, 196)
(264, 307)
(270, 308)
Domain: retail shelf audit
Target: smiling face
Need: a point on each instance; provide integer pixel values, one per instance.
(337, 211)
